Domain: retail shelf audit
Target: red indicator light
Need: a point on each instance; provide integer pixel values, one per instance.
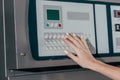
(60, 25)
(118, 13)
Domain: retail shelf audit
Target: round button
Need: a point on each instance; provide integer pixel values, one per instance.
(60, 25)
(54, 36)
(47, 25)
(62, 36)
(52, 25)
(50, 36)
(56, 25)
(46, 36)
(58, 36)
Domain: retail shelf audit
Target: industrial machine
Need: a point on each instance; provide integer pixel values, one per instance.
(32, 33)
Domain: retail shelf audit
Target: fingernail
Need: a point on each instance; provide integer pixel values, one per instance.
(81, 36)
(66, 52)
(74, 34)
(67, 33)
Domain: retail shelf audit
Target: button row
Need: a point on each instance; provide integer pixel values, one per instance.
(53, 25)
(58, 48)
(61, 35)
(54, 35)
(55, 43)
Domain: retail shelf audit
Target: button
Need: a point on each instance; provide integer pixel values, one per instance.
(52, 25)
(62, 42)
(56, 25)
(59, 48)
(62, 36)
(47, 48)
(47, 25)
(54, 48)
(54, 42)
(54, 36)
(46, 42)
(117, 26)
(50, 36)
(58, 36)
(63, 47)
(46, 36)
(60, 25)
(50, 48)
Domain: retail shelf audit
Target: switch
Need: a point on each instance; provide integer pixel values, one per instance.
(56, 25)
(117, 27)
(117, 13)
(60, 25)
(46, 36)
(52, 25)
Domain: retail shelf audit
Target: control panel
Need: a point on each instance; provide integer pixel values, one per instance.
(58, 18)
(53, 19)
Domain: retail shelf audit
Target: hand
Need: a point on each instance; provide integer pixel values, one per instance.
(84, 57)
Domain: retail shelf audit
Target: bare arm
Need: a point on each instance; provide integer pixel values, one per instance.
(86, 60)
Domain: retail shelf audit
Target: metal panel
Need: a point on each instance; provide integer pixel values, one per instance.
(2, 57)
(70, 75)
(17, 39)
(10, 33)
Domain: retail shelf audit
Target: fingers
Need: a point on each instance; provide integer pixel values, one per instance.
(84, 42)
(79, 40)
(73, 40)
(76, 43)
(73, 57)
(71, 44)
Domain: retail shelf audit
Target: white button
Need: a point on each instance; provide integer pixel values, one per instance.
(50, 48)
(46, 36)
(62, 36)
(54, 48)
(56, 25)
(63, 47)
(58, 36)
(54, 36)
(47, 48)
(52, 25)
(54, 42)
(46, 42)
(50, 42)
(58, 42)
(62, 42)
(58, 48)
(50, 36)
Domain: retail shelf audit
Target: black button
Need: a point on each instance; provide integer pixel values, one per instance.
(117, 27)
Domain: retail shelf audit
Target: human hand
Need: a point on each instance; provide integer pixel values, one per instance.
(84, 57)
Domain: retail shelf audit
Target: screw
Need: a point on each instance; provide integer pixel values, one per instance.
(22, 54)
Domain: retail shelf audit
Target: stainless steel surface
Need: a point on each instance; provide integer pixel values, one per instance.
(70, 75)
(2, 56)
(17, 43)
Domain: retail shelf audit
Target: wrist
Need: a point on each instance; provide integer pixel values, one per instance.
(95, 65)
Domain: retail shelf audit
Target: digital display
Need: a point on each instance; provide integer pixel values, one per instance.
(53, 14)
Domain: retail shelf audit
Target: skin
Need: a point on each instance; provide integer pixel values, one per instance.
(85, 59)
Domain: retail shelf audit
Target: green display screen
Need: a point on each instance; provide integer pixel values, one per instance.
(53, 15)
